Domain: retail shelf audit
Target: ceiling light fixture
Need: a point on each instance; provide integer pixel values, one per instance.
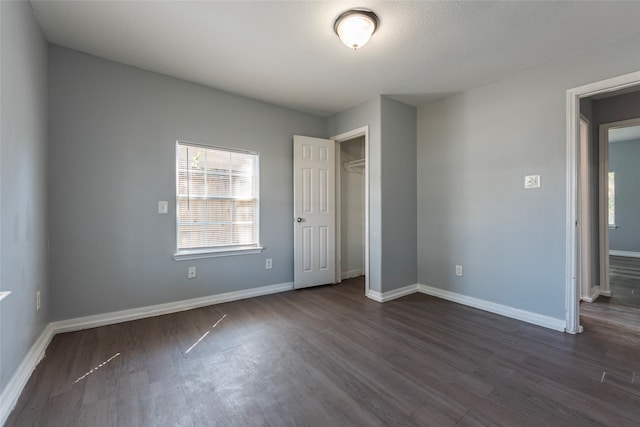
(355, 27)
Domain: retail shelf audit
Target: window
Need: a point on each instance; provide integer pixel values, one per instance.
(612, 199)
(216, 201)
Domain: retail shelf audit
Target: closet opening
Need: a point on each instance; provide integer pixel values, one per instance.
(352, 208)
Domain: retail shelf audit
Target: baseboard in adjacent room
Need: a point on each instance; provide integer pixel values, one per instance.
(503, 310)
(14, 387)
(628, 254)
(351, 273)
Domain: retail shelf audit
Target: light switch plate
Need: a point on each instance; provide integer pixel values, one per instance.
(163, 207)
(532, 181)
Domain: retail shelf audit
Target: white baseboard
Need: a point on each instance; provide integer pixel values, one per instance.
(594, 293)
(351, 273)
(393, 294)
(12, 391)
(14, 387)
(628, 254)
(504, 310)
(80, 323)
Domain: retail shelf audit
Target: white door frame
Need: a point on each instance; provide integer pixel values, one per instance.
(604, 198)
(573, 261)
(587, 292)
(355, 133)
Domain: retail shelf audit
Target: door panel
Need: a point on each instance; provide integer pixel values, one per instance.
(314, 211)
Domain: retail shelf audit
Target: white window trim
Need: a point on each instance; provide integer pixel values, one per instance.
(215, 253)
(231, 250)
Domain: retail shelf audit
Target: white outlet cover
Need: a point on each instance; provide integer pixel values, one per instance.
(532, 181)
(163, 207)
(191, 272)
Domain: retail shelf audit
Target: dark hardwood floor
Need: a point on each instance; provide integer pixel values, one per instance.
(622, 309)
(328, 356)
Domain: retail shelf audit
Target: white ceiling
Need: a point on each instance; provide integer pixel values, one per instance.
(286, 53)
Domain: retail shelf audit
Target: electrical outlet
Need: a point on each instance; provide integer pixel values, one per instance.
(163, 207)
(458, 270)
(532, 181)
(38, 301)
(268, 264)
(191, 272)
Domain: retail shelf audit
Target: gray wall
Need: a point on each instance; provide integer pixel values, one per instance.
(23, 170)
(392, 187)
(112, 158)
(399, 190)
(474, 150)
(367, 114)
(624, 160)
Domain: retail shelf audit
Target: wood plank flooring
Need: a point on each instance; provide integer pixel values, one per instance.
(622, 309)
(328, 356)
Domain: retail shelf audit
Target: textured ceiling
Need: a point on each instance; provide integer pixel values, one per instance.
(286, 53)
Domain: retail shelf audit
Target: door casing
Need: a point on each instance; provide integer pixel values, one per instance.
(573, 260)
(603, 182)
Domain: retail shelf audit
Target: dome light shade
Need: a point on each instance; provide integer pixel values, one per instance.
(355, 27)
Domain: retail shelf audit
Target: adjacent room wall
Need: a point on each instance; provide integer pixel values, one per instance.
(113, 133)
(474, 150)
(617, 108)
(23, 173)
(597, 112)
(624, 159)
(608, 110)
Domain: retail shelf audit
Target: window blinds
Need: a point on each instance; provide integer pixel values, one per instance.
(217, 201)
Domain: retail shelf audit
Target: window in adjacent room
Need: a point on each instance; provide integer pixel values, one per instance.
(216, 201)
(612, 199)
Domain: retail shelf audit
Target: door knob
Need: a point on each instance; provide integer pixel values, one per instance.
(299, 219)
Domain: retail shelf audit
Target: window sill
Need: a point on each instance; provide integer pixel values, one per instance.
(4, 294)
(213, 253)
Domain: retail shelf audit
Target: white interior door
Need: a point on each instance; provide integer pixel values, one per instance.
(314, 230)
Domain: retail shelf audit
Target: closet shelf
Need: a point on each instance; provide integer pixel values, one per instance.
(354, 165)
